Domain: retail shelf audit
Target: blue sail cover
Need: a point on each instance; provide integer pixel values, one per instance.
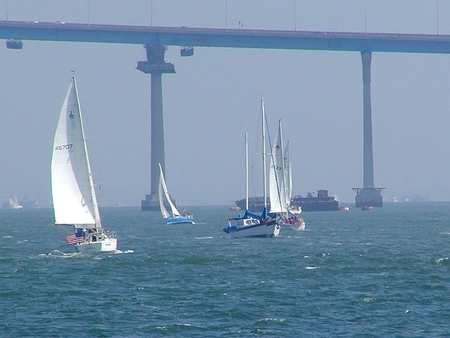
(263, 215)
(266, 214)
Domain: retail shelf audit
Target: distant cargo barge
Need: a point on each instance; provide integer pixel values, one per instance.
(321, 202)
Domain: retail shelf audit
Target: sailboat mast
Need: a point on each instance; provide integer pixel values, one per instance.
(246, 171)
(264, 150)
(98, 223)
(282, 175)
(288, 170)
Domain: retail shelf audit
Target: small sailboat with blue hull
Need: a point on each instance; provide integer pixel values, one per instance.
(163, 193)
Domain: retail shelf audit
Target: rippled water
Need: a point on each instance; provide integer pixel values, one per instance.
(351, 274)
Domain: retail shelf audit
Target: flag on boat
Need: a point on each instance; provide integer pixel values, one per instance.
(74, 238)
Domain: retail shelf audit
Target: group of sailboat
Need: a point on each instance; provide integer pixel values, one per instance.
(269, 223)
(75, 203)
(251, 224)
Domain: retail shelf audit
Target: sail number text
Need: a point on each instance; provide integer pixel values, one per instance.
(276, 167)
(64, 147)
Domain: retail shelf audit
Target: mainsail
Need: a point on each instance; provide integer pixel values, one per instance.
(164, 195)
(277, 187)
(74, 199)
(287, 174)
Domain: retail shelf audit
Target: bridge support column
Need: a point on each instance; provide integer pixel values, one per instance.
(155, 66)
(367, 196)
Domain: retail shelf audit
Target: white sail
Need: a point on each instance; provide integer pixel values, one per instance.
(74, 199)
(288, 174)
(277, 190)
(162, 183)
(14, 203)
(164, 195)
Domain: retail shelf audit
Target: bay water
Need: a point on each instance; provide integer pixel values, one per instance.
(380, 273)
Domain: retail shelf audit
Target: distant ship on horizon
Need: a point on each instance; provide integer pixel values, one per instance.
(321, 202)
(29, 203)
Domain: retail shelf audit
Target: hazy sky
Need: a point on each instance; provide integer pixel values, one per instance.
(215, 98)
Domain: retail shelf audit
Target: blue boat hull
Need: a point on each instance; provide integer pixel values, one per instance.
(180, 220)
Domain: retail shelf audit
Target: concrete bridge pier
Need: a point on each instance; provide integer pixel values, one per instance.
(155, 66)
(368, 195)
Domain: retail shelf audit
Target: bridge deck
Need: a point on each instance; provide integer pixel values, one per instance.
(232, 38)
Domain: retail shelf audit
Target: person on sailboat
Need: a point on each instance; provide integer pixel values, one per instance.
(80, 233)
(186, 214)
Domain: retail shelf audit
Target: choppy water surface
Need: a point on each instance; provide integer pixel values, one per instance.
(358, 274)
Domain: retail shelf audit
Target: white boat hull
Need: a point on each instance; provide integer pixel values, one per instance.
(295, 227)
(295, 223)
(108, 244)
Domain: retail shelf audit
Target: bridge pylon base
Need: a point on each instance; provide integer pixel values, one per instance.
(366, 197)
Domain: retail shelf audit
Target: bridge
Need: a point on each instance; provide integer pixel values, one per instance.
(228, 38)
(156, 38)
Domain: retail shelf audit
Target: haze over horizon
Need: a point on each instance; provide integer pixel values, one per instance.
(214, 98)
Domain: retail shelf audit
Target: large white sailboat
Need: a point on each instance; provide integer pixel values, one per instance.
(280, 182)
(250, 224)
(164, 196)
(74, 199)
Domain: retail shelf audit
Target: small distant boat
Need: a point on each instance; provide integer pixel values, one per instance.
(12, 203)
(74, 199)
(367, 208)
(164, 196)
(344, 208)
(235, 208)
(25, 203)
(255, 225)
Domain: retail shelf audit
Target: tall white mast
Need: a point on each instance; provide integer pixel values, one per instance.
(98, 222)
(246, 171)
(264, 150)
